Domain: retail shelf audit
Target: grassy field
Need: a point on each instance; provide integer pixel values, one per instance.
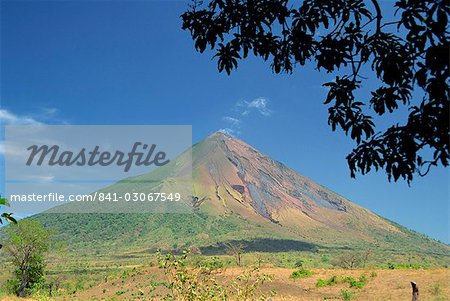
(146, 284)
(132, 278)
(381, 285)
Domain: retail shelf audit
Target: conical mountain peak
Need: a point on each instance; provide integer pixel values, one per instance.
(238, 191)
(229, 144)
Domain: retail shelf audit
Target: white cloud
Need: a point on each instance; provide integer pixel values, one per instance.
(47, 178)
(38, 119)
(233, 126)
(43, 116)
(232, 120)
(259, 104)
(7, 117)
(228, 131)
(242, 109)
(10, 150)
(50, 111)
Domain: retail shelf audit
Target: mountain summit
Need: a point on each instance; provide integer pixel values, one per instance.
(240, 194)
(231, 176)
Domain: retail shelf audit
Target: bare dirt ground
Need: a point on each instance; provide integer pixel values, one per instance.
(382, 285)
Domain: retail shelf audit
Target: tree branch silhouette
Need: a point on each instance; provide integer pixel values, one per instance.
(347, 38)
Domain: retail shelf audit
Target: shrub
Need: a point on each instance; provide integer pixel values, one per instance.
(199, 284)
(302, 273)
(436, 289)
(246, 285)
(347, 295)
(325, 259)
(213, 263)
(11, 286)
(333, 280)
(406, 266)
(299, 264)
(356, 283)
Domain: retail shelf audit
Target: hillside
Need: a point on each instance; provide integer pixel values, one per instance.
(241, 194)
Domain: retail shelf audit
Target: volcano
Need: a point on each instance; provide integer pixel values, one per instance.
(240, 194)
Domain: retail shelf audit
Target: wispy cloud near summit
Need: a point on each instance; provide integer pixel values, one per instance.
(241, 110)
(260, 105)
(232, 120)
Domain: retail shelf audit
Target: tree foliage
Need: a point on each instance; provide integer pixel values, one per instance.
(27, 244)
(236, 250)
(186, 282)
(354, 259)
(6, 216)
(408, 56)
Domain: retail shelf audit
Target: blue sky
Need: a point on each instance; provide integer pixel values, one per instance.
(129, 62)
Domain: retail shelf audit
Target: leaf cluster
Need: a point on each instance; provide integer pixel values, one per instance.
(408, 57)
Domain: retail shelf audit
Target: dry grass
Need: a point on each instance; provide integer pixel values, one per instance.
(382, 285)
(386, 285)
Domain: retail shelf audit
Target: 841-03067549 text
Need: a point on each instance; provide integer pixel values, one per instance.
(99, 197)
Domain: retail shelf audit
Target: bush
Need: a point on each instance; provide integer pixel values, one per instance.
(11, 286)
(199, 284)
(299, 264)
(436, 289)
(325, 259)
(356, 283)
(246, 285)
(302, 273)
(333, 280)
(347, 295)
(213, 263)
(406, 266)
(41, 291)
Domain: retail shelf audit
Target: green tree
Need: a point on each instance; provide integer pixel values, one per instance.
(27, 244)
(407, 54)
(5, 216)
(236, 250)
